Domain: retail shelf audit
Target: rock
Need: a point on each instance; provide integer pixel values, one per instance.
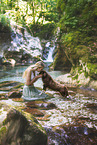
(22, 47)
(11, 89)
(34, 112)
(12, 61)
(44, 118)
(80, 81)
(8, 85)
(64, 78)
(18, 100)
(14, 94)
(74, 134)
(93, 84)
(8, 62)
(92, 107)
(61, 61)
(20, 128)
(41, 105)
(2, 97)
(67, 78)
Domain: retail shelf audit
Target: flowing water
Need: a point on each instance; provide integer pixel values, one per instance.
(75, 118)
(50, 58)
(79, 109)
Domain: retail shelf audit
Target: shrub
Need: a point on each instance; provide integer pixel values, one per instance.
(4, 24)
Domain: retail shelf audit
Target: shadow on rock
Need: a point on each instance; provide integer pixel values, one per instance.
(22, 129)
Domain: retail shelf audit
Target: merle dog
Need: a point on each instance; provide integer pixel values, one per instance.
(49, 82)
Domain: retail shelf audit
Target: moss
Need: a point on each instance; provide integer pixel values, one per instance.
(61, 62)
(92, 70)
(75, 77)
(34, 121)
(2, 131)
(0, 105)
(4, 24)
(19, 86)
(43, 31)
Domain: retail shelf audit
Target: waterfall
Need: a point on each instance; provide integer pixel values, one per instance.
(50, 53)
(22, 47)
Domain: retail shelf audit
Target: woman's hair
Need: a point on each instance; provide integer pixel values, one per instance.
(34, 66)
(40, 64)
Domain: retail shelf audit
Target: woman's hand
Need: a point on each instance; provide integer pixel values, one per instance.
(39, 76)
(31, 82)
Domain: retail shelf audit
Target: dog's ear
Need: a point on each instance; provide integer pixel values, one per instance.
(44, 74)
(41, 72)
(44, 87)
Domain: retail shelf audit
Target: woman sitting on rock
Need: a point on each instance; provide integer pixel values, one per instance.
(31, 75)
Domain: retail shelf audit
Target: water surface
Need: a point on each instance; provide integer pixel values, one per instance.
(79, 108)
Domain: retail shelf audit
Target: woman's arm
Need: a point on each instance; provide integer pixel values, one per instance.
(28, 78)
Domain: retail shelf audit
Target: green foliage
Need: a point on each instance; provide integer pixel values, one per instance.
(2, 131)
(92, 70)
(43, 31)
(88, 69)
(4, 24)
(28, 12)
(78, 31)
(49, 16)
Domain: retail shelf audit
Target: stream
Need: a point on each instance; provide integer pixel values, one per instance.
(74, 120)
(75, 116)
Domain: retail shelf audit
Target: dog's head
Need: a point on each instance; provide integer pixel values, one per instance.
(43, 72)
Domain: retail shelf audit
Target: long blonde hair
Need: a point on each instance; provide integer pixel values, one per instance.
(34, 66)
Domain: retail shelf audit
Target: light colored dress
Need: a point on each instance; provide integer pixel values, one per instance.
(31, 93)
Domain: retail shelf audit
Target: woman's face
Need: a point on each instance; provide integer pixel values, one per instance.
(39, 69)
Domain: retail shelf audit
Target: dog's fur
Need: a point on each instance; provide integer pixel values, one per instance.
(49, 82)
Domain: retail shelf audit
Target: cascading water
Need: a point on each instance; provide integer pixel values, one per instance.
(22, 46)
(50, 53)
(77, 115)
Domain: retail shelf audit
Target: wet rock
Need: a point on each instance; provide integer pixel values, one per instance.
(33, 111)
(92, 107)
(81, 81)
(14, 94)
(87, 92)
(76, 134)
(44, 118)
(37, 108)
(2, 97)
(21, 128)
(13, 54)
(9, 85)
(8, 62)
(20, 46)
(93, 84)
(41, 105)
(18, 100)
(10, 89)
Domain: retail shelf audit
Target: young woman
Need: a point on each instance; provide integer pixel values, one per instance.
(31, 74)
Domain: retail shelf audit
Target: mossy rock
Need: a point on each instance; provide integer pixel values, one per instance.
(61, 62)
(21, 128)
(43, 31)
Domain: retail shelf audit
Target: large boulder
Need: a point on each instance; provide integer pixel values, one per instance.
(20, 128)
(61, 61)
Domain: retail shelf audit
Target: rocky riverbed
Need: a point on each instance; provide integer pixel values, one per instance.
(67, 121)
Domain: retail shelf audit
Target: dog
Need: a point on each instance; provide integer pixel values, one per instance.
(49, 82)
